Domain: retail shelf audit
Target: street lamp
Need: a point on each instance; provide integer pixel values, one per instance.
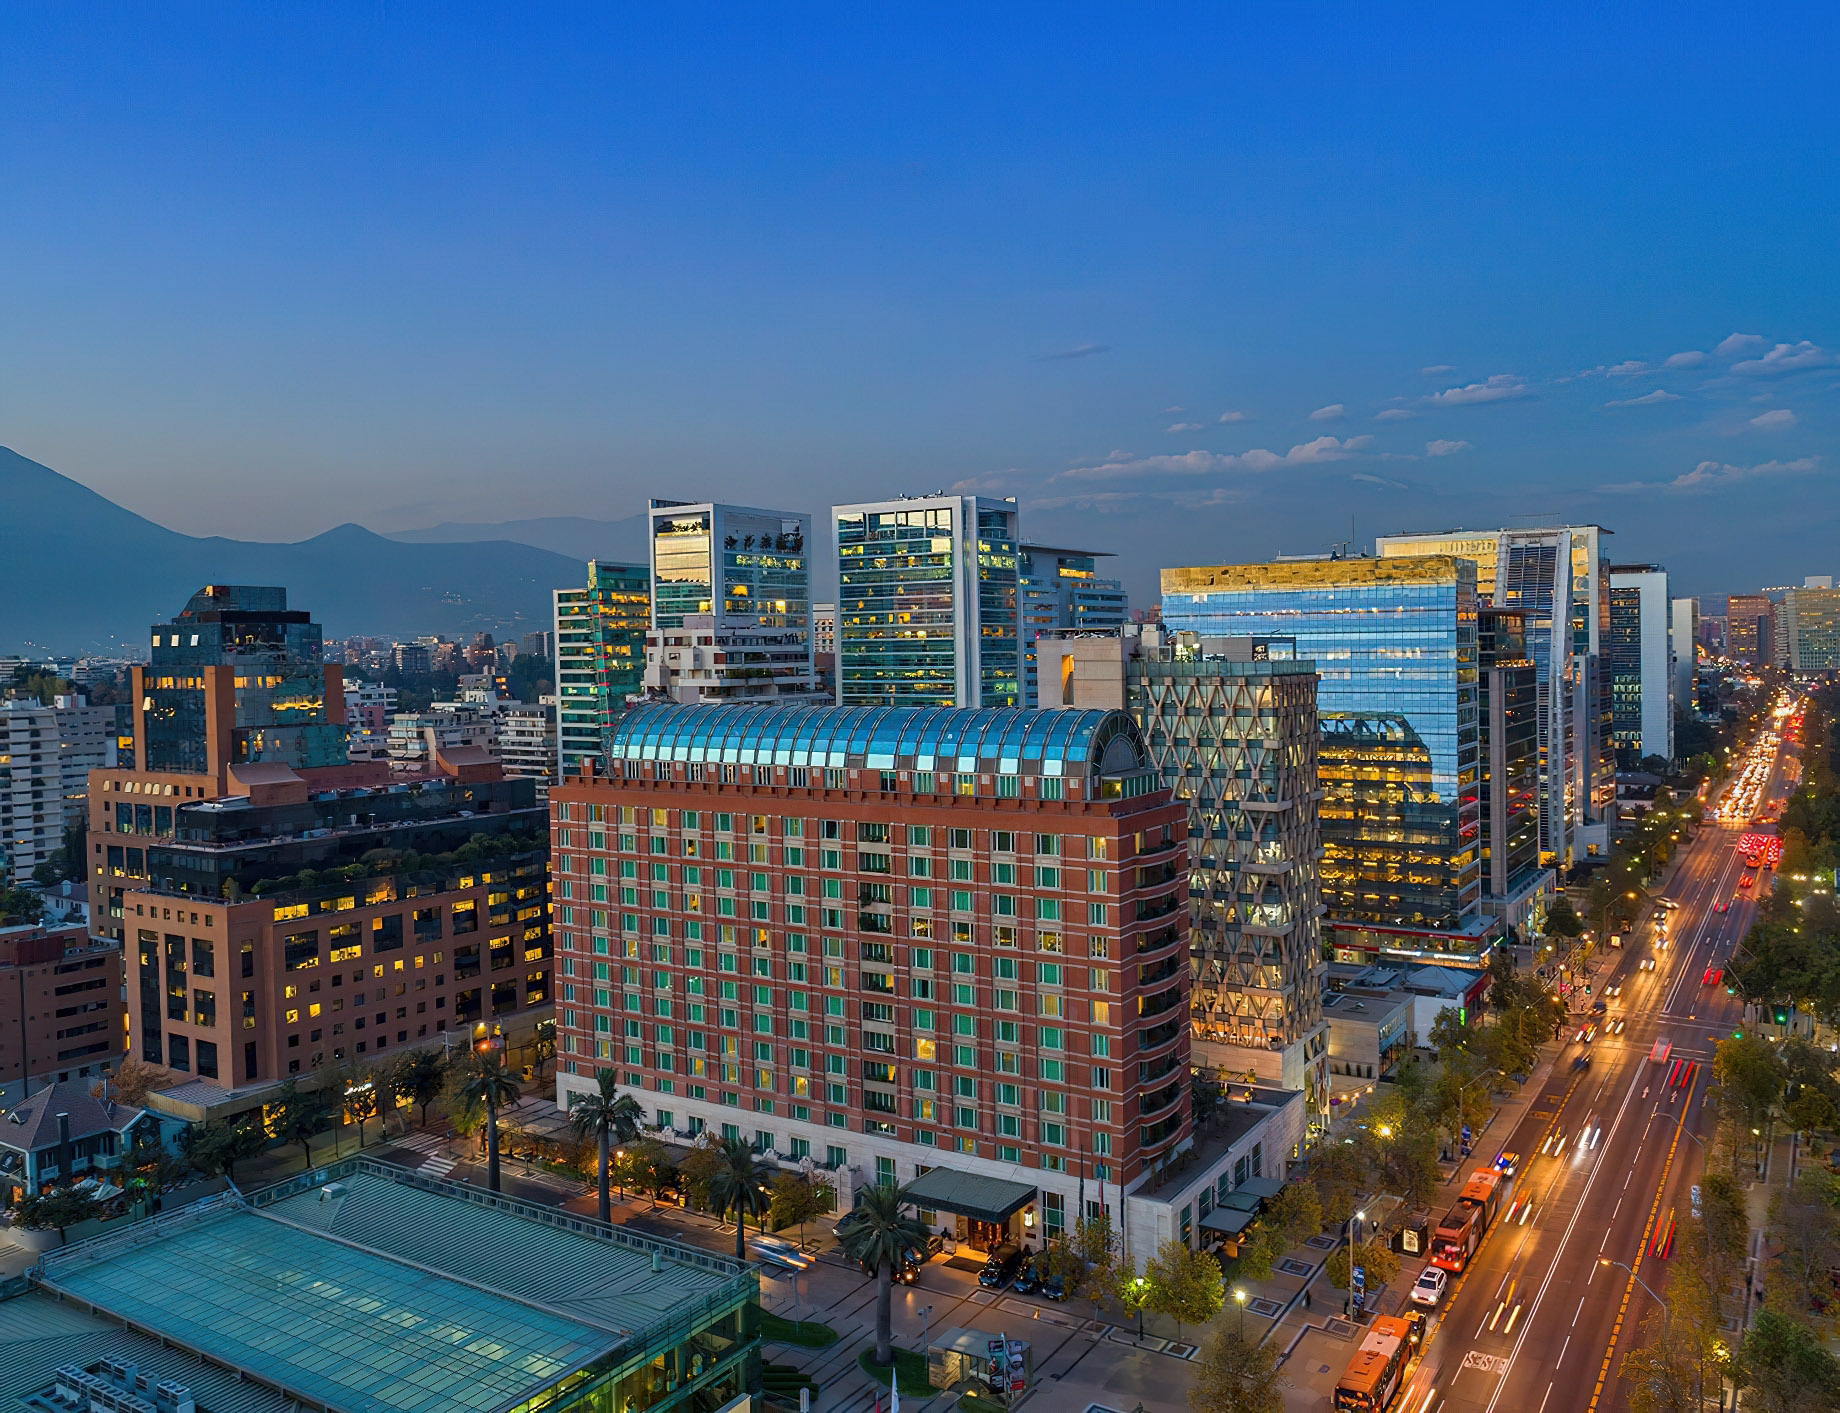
(1348, 1304)
(1606, 1261)
(1239, 1298)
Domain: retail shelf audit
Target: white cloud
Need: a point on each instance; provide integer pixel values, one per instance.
(1776, 420)
(1232, 417)
(1206, 463)
(1441, 447)
(1395, 414)
(1711, 474)
(1736, 343)
(1495, 389)
(1784, 358)
(1626, 369)
(1381, 481)
(1431, 370)
(1174, 411)
(1646, 400)
(1185, 426)
(1084, 350)
(1329, 413)
(1692, 358)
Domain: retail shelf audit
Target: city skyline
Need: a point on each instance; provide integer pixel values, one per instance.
(1184, 319)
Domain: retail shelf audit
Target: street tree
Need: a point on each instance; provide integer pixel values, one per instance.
(1783, 1367)
(739, 1185)
(605, 1116)
(1233, 1374)
(57, 1209)
(1183, 1284)
(796, 1199)
(879, 1233)
(1805, 1227)
(298, 1116)
(216, 1146)
(484, 1080)
(1095, 1247)
(417, 1077)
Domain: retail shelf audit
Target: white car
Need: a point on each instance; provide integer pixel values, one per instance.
(1428, 1289)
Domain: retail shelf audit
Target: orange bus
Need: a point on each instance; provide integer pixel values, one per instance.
(1374, 1375)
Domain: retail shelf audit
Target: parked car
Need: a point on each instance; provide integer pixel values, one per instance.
(1000, 1266)
(1029, 1275)
(1054, 1287)
(1429, 1288)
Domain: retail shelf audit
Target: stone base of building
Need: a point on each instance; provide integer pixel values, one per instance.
(1523, 912)
(1301, 1066)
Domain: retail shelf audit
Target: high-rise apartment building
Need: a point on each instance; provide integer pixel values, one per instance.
(526, 743)
(731, 603)
(1060, 591)
(1515, 888)
(284, 915)
(946, 947)
(1683, 638)
(1231, 725)
(46, 755)
(1558, 578)
(927, 603)
(1393, 642)
(1750, 628)
(1640, 662)
(1810, 629)
(600, 657)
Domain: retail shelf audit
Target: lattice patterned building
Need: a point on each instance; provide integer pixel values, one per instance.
(1231, 724)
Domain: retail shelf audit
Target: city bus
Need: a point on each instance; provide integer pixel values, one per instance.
(1374, 1375)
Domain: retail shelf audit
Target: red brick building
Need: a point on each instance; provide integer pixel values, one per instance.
(61, 1008)
(889, 940)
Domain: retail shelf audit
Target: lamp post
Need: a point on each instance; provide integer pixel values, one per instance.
(1239, 1299)
(1606, 1261)
(1348, 1303)
(1461, 1123)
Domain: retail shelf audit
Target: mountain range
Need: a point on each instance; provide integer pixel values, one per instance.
(622, 541)
(79, 573)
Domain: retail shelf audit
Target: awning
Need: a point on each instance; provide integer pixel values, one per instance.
(1230, 1220)
(1261, 1187)
(983, 1199)
(1240, 1200)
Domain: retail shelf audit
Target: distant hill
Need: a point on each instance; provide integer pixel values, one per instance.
(622, 541)
(79, 573)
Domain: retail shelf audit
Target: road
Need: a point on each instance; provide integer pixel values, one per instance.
(1537, 1323)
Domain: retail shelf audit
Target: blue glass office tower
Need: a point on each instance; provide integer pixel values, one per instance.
(1394, 643)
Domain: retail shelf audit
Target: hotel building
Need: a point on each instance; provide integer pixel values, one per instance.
(927, 603)
(945, 947)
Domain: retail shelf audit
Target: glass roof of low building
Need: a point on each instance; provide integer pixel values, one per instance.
(992, 740)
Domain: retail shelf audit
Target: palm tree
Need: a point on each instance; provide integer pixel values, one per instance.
(877, 1233)
(739, 1186)
(605, 1115)
(485, 1080)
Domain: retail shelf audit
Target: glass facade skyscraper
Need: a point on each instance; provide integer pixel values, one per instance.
(1508, 712)
(600, 657)
(1394, 646)
(927, 603)
(1061, 592)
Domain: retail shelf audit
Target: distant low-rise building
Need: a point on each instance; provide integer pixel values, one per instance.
(64, 1134)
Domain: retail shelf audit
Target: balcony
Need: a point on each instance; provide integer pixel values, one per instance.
(1150, 1071)
(1159, 1100)
(1157, 1036)
(1151, 908)
(1149, 1006)
(1161, 971)
(1162, 1131)
(1148, 942)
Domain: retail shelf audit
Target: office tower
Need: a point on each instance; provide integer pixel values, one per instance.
(1683, 639)
(1640, 662)
(1558, 577)
(927, 603)
(1818, 581)
(1231, 725)
(1514, 886)
(1750, 627)
(46, 755)
(1060, 592)
(1394, 642)
(600, 657)
(1809, 626)
(731, 603)
(539, 642)
(946, 947)
(284, 915)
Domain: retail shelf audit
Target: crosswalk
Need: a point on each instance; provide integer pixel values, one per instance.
(437, 1162)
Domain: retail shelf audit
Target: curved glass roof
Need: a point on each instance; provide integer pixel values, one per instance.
(988, 740)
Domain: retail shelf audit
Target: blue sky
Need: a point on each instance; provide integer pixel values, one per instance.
(267, 269)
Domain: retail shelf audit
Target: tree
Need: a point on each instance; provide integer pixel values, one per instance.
(606, 1116)
(218, 1145)
(484, 1080)
(797, 1199)
(1784, 1368)
(417, 1077)
(1236, 1375)
(699, 1168)
(1378, 1264)
(1183, 1284)
(1562, 919)
(57, 1209)
(1658, 1376)
(361, 1100)
(649, 1163)
(878, 1234)
(297, 1116)
(1296, 1212)
(1805, 1225)
(1095, 1247)
(131, 1083)
(19, 905)
(739, 1185)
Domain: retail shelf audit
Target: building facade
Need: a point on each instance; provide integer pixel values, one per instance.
(1231, 724)
(731, 603)
(1809, 622)
(1393, 642)
(600, 657)
(905, 943)
(1640, 662)
(1750, 628)
(61, 1009)
(46, 755)
(526, 743)
(1515, 888)
(927, 603)
(1060, 591)
(280, 916)
(1683, 638)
